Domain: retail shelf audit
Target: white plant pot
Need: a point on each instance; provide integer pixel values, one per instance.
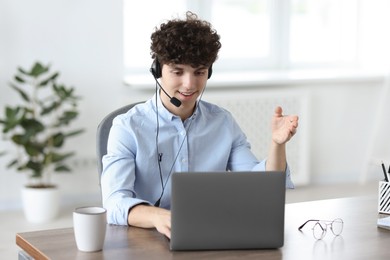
(40, 204)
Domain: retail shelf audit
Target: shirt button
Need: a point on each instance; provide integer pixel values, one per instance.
(184, 160)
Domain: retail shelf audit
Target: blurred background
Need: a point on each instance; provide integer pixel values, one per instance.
(325, 60)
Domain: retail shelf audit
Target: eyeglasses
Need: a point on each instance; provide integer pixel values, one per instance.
(320, 227)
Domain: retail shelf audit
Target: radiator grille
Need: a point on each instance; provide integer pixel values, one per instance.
(253, 111)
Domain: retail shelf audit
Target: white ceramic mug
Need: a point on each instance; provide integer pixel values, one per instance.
(89, 225)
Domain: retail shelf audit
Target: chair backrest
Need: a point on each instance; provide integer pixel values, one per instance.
(103, 131)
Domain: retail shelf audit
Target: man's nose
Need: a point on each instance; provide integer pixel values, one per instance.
(188, 80)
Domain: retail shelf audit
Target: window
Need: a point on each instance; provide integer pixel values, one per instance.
(323, 31)
(140, 19)
(245, 30)
(270, 34)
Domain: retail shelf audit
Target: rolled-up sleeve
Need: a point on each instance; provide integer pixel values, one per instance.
(261, 167)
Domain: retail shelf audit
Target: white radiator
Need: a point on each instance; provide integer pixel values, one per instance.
(253, 110)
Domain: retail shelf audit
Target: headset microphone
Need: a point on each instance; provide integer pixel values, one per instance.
(156, 72)
(173, 100)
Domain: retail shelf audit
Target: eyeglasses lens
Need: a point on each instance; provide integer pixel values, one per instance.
(318, 231)
(337, 226)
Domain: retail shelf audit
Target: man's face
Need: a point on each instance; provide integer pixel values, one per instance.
(183, 82)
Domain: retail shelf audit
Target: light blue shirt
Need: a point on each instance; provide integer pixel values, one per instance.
(209, 140)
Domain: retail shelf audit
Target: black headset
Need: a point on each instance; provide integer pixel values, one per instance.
(155, 69)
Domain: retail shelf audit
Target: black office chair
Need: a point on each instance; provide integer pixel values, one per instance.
(102, 132)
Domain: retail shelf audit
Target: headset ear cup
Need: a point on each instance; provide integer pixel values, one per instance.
(155, 69)
(210, 71)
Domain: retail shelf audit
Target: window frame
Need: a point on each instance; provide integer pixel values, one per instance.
(278, 59)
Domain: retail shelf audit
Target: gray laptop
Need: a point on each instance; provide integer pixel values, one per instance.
(225, 210)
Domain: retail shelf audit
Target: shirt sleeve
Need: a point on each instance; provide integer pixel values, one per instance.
(118, 177)
(261, 167)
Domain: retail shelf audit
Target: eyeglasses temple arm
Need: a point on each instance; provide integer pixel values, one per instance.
(306, 223)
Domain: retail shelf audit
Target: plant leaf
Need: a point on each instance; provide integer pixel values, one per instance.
(51, 78)
(23, 94)
(13, 118)
(57, 140)
(32, 126)
(60, 91)
(36, 167)
(67, 117)
(19, 79)
(76, 132)
(38, 69)
(18, 139)
(51, 107)
(12, 163)
(57, 157)
(62, 168)
(33, 148)
(20, 69)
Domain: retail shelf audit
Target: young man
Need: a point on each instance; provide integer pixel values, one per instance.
(176, 131)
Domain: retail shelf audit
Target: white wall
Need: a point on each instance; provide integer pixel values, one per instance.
(83, 40)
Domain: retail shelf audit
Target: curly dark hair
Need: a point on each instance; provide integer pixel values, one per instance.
(191, 41)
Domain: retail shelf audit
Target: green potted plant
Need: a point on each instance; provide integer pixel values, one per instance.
(38, 126)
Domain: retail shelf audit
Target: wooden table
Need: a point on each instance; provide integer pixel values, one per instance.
(361, 239)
